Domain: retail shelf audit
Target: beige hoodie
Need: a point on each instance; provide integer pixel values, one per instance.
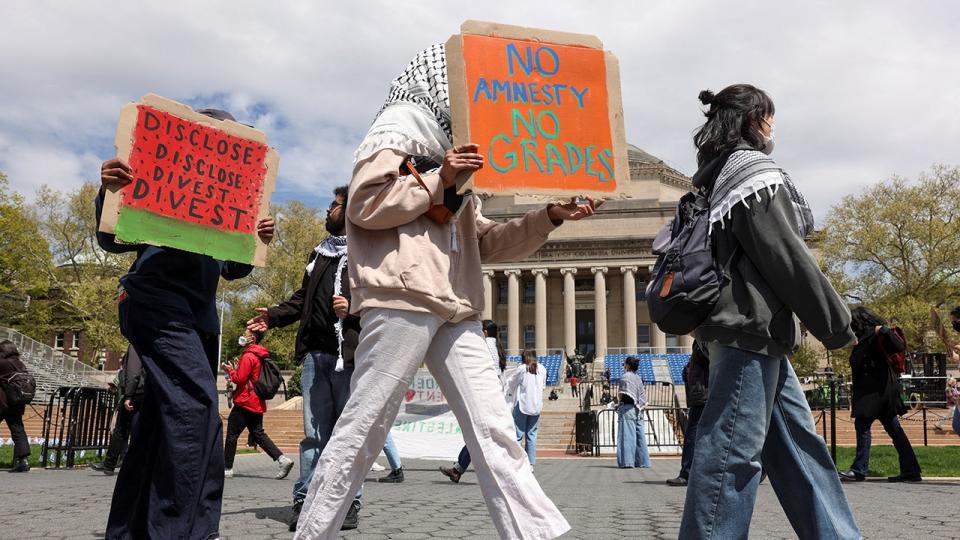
(400, 259)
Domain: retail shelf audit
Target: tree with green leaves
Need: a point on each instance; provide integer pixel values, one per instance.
(896, 247)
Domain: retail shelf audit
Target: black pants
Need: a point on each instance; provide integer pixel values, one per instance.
(908, 459)
(239, 420)
(21, 445)
(119, 436)
(171, 482)
(689, 438)
(575, 390)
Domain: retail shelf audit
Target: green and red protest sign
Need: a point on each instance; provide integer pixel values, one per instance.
(199, 184)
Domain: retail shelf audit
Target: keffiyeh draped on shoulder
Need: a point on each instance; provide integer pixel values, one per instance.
(747, 173)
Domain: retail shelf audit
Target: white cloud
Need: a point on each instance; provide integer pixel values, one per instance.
(862, 92)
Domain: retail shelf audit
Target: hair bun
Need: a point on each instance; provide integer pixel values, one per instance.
(706, 97)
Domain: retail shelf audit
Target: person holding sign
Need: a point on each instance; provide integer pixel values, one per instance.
(171, 482)
(414, 265)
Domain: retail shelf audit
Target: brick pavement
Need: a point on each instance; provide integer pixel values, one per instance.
(599, 500)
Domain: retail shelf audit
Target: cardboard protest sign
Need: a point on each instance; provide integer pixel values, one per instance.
(543, 106)
(199, 184)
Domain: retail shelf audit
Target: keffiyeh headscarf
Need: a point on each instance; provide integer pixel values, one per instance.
(415, 119)
(747, 173)
(334, 247)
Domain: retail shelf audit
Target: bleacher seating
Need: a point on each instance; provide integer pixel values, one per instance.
(552, 362)
(676, 362)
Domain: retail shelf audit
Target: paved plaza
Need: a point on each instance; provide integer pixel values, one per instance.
(599, 500)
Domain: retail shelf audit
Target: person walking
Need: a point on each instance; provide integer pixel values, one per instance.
(416, 248)
(875, 394)
(130, 381)
(526, 387)
(249, 407)
(12, 413)
(491, 335)
(632, 448)
(171, 482)
(756, 412)
(695, 384)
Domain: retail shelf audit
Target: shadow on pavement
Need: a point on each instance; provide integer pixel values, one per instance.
(279, 514)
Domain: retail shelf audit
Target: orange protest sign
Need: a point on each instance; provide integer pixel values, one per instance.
(543, 106)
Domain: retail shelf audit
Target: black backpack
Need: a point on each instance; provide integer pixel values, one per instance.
(20, 388)
(686, 280)
(270, 379)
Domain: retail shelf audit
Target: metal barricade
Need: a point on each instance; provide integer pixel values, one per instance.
(77, 418)
(664, 421)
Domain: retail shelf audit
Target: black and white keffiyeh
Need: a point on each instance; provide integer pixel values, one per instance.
(415, 119)
(745, 174)
(334, 247)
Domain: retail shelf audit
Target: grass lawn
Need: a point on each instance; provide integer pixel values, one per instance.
(934, 460)
(6, 456)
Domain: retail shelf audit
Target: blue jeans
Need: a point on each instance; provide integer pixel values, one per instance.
(956, 419)
(756, 413)
(631, 438)
(527, 424)
(908, 459)
(390, 449)
(325, 392)
(690, 440)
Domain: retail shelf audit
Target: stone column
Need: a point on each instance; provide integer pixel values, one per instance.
(658, 340)
(488, 294)
(686, 341)
(569, 311)
(513, 311)
(600, 310)
(540, 276)
(629, 306)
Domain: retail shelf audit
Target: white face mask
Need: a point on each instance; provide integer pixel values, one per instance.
(768, 144)
(242, 341)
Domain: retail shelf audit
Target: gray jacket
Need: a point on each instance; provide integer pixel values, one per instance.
(772, 280)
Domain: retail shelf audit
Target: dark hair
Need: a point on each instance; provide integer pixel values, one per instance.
(530, 359)
(257, 335)
(8, 350)
(632, 363)
(955, 312)
(491, 329)
(863, 320)
(342, 191)
(732, 117)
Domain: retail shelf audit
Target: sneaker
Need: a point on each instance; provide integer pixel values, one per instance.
(451, 473)
(376, 467)
(678, 481)
(352, 521)
(100, 467)
(395, 477)
(852, 476)
(20, 465)
(912, 478)
(284, 465)
(228, 473)
(297, 506)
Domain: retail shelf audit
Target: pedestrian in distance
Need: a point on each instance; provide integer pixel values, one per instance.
(249, 407)
(695, 384)
(130, 383)
(875, 395)
(525, 388)
(11, 409)
(632, 448)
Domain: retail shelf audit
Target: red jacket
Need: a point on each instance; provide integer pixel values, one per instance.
(247, 373)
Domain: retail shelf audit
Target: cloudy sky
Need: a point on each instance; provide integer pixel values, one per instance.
(864, 90)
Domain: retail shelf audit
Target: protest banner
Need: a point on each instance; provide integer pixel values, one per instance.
(544, 107)
(199, 184)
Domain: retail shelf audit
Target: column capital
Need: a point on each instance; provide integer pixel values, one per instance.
(650, 268)
(631, 269)
(512, 272)
(490, 273)
(540, 271)
(572, 271)
(599, 269)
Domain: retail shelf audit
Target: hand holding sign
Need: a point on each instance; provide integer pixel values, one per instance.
(460, 158)
(114, 172)
(573, 210)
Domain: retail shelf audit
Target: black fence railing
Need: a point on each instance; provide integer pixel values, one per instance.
(664, 420)
(77, 418)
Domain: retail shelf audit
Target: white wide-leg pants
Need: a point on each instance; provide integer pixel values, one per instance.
(392, 345)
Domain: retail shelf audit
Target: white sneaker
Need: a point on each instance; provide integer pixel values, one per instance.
(228, 473)
(284, 464)
(377, 467)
